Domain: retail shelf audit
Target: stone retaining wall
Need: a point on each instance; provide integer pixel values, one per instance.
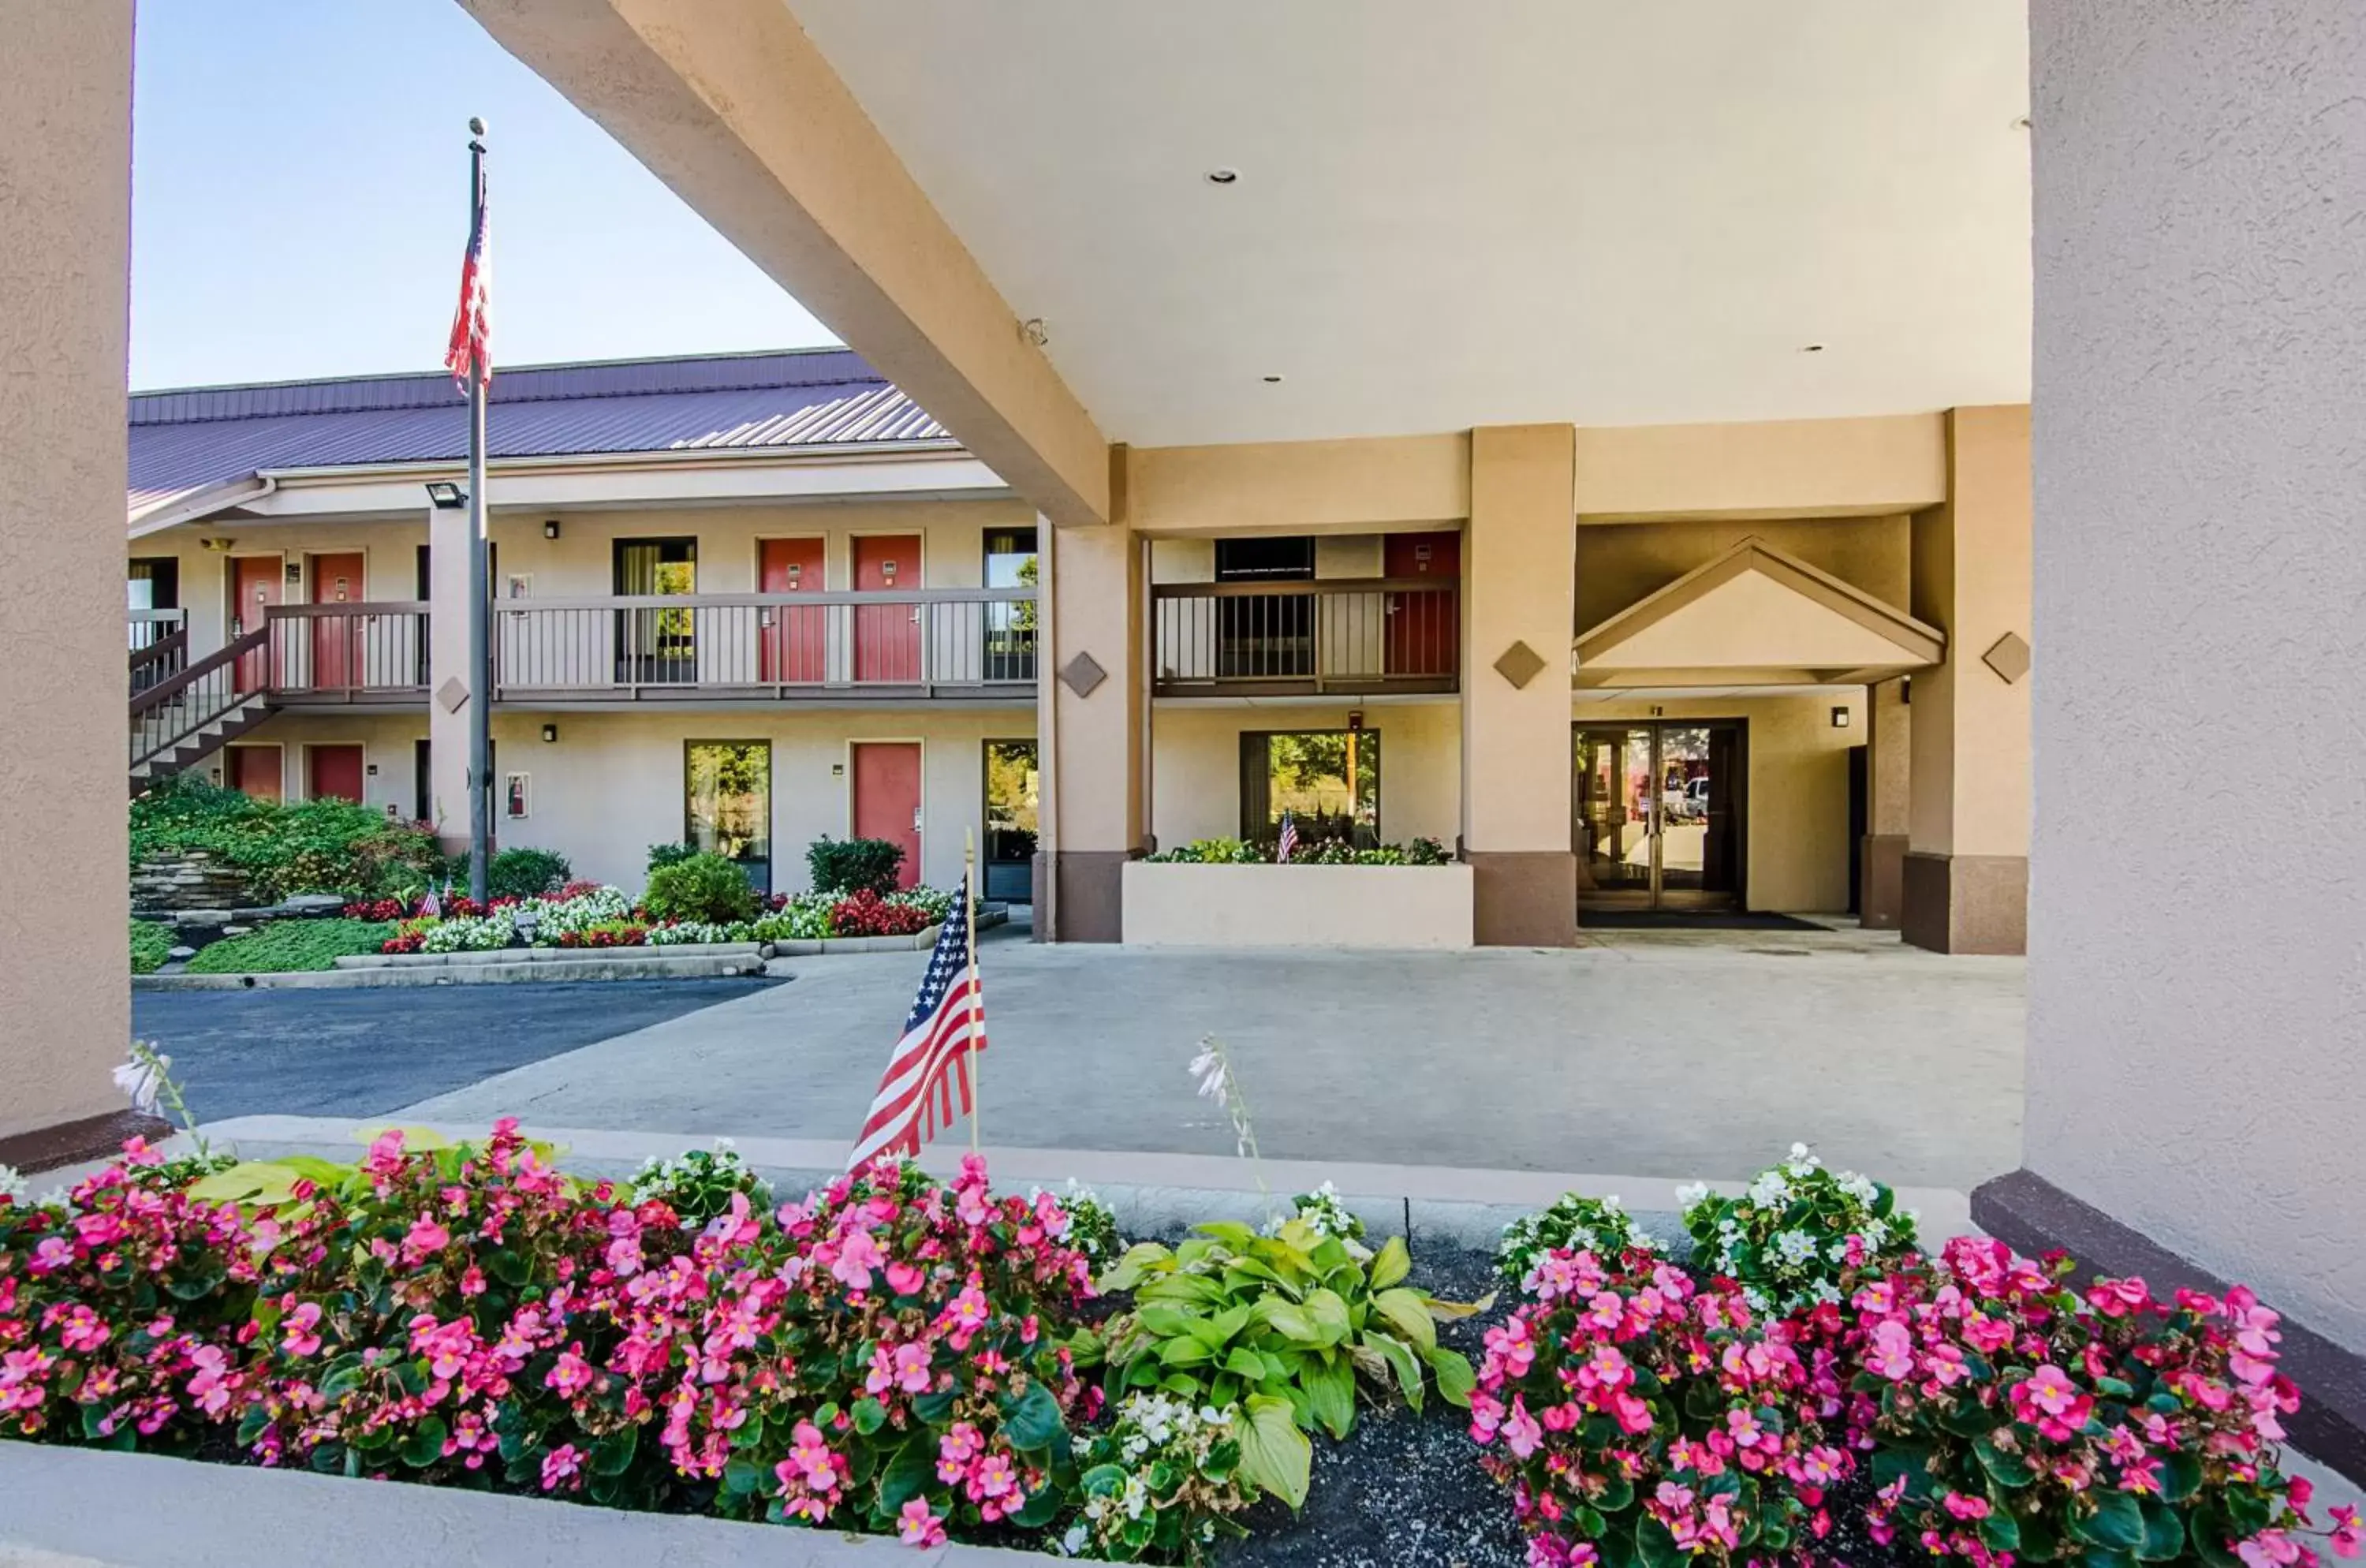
(188, 879)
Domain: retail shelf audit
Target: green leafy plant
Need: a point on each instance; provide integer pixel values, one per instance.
(1574, 1222)
(291, 947)
(1288, 1321)
(851, 865)
(699, 1184)
(313, 846)
(1798, 1227)
(151, 944)
(1092, 1227)
(1212, 852)
(700, 888)
(525, 873)
(664, 855)
(1161, 1483)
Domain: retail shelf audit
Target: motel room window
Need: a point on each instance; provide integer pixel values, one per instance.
(153, 583)
(1010, 562)
(727, 804)
(1328, 780)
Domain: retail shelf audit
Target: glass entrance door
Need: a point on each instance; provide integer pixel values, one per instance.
(1658, 823)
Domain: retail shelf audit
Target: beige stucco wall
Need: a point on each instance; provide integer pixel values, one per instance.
(1196, 785)
(1620, 563)
(389, 563)
(2197, 920)
(1516, 588)
(65, 193)
(1426, 906)
(1797, 853)
(1776, 468)
(612, 784)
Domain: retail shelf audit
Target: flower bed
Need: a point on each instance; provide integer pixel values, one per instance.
(929, 1361)
(587, 915)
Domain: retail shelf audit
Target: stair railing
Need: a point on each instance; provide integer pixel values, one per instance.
(165, 715)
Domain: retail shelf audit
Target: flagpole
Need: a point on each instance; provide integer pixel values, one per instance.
(969, 919)
(481, 610)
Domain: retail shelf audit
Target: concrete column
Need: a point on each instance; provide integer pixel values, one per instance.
(447, 662)
(1966, 873)
(1888, 772)
(1089, 741)
(65, 195)
(1519, 588)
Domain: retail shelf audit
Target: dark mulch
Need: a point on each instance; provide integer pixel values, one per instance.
(1403, 1490)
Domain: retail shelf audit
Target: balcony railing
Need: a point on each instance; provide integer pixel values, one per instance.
(342, 653)
(159, 647)
(1350, 636)
(927, 642)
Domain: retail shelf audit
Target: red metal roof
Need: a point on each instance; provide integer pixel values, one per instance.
(188, 439)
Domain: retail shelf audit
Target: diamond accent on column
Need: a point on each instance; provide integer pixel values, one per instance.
(1519, 665)
(2009, 657)
(452, 694)
(1083, 673)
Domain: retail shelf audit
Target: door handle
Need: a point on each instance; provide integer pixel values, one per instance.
(916, 820)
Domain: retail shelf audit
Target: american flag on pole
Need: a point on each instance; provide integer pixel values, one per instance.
(946, 1024)
(1288, 845)
(470, 353)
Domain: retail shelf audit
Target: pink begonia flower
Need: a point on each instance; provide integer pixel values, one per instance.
(1892, 1353)
(994, 1476)
(1486, 1417)
(905, 1367)
(1511, 1348)
(2049, 1388)
(915, 1526)
(1672, 1497)
(955, 1450)
(2268, 1549)
(570, 1375)
(561, 1464)
(53, 1254)
(903, 1280)
(2347, 1531)
(858, 1255)
(1964, 1506)
(423, 1240)
(1743, 1426)
(84, 1329)
(623, 1254)
(810, 1462)
(1522, 1434)
(298, 1335)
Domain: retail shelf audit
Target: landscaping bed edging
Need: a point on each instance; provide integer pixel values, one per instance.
(1186, 903)
(194, 1515)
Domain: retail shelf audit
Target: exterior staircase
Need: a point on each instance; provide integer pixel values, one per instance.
(179, 719)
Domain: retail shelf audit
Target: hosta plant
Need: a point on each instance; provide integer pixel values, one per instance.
(1288, 1321)
(1160, 1483)
(1641, 1421)
(2022, 1419)
(1572, 1223)
(1798, 1228)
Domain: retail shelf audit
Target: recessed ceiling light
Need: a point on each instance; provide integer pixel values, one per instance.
(1273, 381)
(1222, 176)
(1812, 348)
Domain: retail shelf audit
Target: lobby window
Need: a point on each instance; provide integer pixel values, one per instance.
(727, 804)
(1328, 780)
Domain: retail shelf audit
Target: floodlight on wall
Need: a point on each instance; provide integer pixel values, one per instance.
(217, 546)
(448, 496)
(550, 528)
(550, 732)
(1840, 717)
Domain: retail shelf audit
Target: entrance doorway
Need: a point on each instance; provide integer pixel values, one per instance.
(888, 636)
(888, 799)
(1013, 792)
(1658, 814)
(333, 773)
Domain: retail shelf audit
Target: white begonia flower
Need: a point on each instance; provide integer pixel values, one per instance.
(1825, 1290)
(1692, 1193)
(1075, 1541)
(1859, 1188)
(1875, 1233)
(1837, 1252)
(12, 1183)
(1796, 1247)
(1645, 1241)
(1770, 1191)
(1611, 1202)
(1755, 1297)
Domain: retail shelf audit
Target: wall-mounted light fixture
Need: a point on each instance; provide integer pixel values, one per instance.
(1840, 717)
(550, 732)
(217, 546)
(294, 572)
(446, 496)
(550, 528)
(1906, 692)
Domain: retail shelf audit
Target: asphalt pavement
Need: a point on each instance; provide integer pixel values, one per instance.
(365, 1053)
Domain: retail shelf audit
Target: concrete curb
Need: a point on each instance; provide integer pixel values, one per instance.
(548, 955)
(644, 964)
(1150, 1193)
(67, 1506)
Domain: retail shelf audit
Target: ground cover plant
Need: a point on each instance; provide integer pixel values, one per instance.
(152, 946)
(284, 947)
(313, 846)
(588, 915)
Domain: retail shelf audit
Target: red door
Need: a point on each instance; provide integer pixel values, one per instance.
(337, 639)
(255, 772)
(1424, 629)
(253, 590)
(795, 644)
(333, 773)
(888, 636)
(888, 800)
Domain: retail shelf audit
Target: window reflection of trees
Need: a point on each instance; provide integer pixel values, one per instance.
(1328, 780)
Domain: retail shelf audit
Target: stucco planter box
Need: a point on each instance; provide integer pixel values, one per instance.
(67, 1506)
(1170, 904)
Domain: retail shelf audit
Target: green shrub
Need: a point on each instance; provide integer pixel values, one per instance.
(151, 945)
(700, 888)
(313, 846)
(526, 873)
(285, 947)
(850, 865)
(664, 855)
(1214, 852)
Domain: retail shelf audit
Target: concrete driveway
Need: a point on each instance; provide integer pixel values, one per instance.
(1702, 1057)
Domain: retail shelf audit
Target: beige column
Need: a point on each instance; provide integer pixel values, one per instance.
(448, 674)
(1966, 873)
(65, 195)
(1519, 605)
(1091, 709)
(1881, 891)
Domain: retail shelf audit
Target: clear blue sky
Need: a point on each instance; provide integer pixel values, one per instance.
(300, 203)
